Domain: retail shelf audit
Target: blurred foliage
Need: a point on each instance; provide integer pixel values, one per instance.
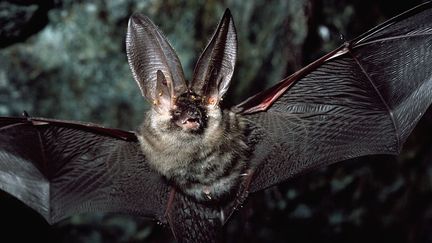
(66, 59)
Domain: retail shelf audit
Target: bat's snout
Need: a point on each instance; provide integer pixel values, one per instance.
(189, 118)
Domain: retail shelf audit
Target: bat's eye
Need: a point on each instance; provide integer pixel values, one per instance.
(177, 113)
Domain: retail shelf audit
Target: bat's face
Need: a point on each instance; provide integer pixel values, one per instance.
(189, 113)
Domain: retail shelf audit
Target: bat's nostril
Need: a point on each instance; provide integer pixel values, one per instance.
(194, 114)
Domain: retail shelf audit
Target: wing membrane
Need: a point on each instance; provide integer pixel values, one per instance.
(60, 169)
(364, 98)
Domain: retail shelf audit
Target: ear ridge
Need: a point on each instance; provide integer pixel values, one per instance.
(215, 67)
(149, 53)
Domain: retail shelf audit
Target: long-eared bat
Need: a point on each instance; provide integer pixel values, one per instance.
(190, 164)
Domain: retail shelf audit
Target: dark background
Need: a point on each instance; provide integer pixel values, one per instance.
(66, 60)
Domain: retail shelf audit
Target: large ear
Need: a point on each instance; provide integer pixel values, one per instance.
(154, 63)
(215, 67)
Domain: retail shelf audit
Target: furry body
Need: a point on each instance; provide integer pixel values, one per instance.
(204, 165)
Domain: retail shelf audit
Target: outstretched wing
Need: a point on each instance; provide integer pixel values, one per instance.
(363, 98)
(63, 168)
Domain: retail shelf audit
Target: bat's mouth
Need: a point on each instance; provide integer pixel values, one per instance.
(191, 123)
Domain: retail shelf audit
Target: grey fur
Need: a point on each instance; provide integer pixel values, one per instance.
(205, 166)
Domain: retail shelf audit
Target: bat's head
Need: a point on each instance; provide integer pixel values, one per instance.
(158, 72)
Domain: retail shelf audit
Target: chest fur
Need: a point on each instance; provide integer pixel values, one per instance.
(205, 166)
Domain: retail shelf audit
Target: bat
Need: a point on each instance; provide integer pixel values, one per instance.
(191, 163)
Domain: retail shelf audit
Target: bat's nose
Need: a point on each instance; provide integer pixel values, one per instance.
(194, 114)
